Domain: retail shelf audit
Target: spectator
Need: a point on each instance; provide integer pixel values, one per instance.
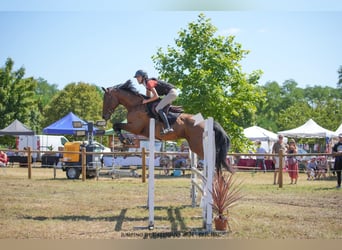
(260, 159)
(292, 161)
(280, 144)
(3, 159)
(337, 153)
(321, 168)
(311, 169)
(165, 163)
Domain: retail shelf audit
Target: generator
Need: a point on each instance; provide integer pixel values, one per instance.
(72, 160)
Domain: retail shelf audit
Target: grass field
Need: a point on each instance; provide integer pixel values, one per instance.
(48, 208)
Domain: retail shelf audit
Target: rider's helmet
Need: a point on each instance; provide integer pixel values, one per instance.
(142, 73)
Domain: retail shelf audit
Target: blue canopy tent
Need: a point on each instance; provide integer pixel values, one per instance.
(64, 126)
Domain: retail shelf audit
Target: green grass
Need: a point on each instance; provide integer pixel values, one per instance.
(47, 208)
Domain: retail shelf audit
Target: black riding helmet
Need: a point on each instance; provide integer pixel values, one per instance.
(142, 73)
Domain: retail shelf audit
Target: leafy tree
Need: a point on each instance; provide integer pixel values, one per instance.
(44, 93)
(289, 106)
(206, 69)
(82, 99)
(339, 83)
(17, 96)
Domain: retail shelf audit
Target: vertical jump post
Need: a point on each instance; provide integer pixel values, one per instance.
(151, 176)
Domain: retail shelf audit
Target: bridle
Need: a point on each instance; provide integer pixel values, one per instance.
(109, 110)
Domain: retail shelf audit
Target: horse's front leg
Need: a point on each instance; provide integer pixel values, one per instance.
(125, 140)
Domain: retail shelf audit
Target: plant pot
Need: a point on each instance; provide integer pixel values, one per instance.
(221, 223)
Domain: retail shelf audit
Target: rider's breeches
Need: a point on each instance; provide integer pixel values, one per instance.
(168, 99)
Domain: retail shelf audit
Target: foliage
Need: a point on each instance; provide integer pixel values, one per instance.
(16, 94)
(206, 69)
(119, 115)
(44, 93)
(339, 83)
(82, 99)
(226, 192)
(289, 106)
(17, 97)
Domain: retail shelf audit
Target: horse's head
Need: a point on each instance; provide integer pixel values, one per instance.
(110, 102)
(124, 94)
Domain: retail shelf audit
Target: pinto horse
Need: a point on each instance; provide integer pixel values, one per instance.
(138, 119)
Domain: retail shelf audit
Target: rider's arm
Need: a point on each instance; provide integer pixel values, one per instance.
(154, 97)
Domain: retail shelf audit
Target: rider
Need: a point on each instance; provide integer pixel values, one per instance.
(158, 88)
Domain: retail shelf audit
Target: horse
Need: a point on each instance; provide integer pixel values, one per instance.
(138, 118)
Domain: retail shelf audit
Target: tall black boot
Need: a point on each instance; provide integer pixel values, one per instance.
(165, 121)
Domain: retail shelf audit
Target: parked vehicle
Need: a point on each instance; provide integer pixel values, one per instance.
(42, 143)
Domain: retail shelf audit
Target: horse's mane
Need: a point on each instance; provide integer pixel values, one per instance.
(128, 86)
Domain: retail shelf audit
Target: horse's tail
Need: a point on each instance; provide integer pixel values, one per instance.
(222, 143)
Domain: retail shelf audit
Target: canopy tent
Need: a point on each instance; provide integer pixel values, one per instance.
(64, 126)
(256, 133)
(339, 130)
(16, 128)
(308, 130)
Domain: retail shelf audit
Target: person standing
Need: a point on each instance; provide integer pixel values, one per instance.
(3, 159)
(260, 159)
(292, 161)
(154, 89)
(280, 144)
(337, 153)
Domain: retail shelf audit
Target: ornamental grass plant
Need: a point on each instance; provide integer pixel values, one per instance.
(225, 194)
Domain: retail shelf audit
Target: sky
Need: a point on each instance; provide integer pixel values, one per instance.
(104, 42)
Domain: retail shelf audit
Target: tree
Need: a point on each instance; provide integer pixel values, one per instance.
(17, 96)
(289, 106)
(206, 69)
(339, 83)
(82, 99)
(45, 93)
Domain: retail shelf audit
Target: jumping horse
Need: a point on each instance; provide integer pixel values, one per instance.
(138, 118)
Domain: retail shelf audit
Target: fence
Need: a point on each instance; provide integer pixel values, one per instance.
(27, 154)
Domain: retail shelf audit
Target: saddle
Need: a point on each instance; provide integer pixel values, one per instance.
(172, 112)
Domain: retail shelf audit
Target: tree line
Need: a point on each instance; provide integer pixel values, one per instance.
(205, 68)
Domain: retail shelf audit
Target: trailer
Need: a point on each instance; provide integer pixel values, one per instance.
(72, 160)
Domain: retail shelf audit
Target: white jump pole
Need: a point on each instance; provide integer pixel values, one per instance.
(206, 175)
(151, 176)
(209, 162)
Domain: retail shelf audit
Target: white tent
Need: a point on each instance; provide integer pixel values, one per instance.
(266, 137)
(339, 130)
(308, 130)
(255, 133)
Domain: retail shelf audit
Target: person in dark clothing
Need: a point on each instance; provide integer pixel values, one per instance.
(337, 153)
(154, 89)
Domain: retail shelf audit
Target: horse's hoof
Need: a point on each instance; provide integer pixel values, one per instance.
(167, 130)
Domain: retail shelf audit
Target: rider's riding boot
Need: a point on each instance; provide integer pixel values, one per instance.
(165, 121)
